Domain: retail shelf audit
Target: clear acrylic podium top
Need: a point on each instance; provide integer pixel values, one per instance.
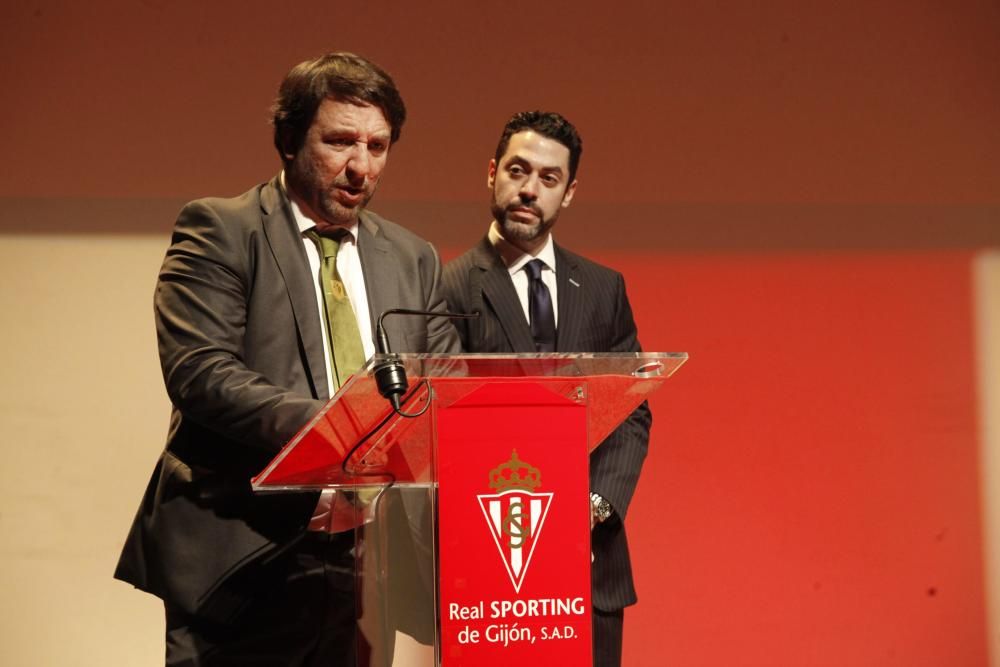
(357, 440)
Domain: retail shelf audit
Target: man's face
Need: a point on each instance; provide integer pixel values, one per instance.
(336, 170)
(530, 186)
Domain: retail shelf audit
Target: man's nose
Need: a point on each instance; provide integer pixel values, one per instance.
(529, 188)
(359, 163)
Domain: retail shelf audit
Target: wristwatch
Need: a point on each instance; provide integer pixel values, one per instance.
(600, 508)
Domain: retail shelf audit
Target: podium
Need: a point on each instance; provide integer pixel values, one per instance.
(471, 509)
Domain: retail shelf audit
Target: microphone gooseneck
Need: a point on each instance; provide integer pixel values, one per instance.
(389, 372)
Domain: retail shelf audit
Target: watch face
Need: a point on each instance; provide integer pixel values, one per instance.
(600, 506)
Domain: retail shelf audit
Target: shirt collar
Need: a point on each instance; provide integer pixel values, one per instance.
(515, 258)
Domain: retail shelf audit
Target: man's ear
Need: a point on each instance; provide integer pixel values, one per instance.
(284, 140)
(491, 175)
(568, 196)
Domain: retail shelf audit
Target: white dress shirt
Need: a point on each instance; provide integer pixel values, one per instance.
(349, 268)
(515, 259)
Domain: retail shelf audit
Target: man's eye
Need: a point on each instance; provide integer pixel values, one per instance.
(340, 142)
(378, 147)
(515, 170)
(551, 179)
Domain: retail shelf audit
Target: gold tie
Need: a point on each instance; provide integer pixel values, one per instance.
(346, 350)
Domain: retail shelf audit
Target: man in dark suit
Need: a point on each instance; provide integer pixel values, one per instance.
(534, 295)
(252, 345)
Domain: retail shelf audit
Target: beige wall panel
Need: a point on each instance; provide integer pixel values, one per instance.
(83, 416)
(987, 286)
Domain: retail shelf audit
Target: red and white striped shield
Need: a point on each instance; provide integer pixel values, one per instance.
(515, 518)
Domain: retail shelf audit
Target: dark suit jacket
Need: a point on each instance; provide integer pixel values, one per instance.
(594, 316)
(242, 355)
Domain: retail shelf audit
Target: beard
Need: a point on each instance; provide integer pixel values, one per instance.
(337, 213)
(322, 196)
(515, 230)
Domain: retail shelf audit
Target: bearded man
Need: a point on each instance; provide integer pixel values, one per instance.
(533, 295)
(265, 306)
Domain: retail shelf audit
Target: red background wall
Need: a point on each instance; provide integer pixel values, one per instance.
(794, 192)
(812, 495)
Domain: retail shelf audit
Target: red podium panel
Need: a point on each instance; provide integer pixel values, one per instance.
(514, 527)
(473, 508)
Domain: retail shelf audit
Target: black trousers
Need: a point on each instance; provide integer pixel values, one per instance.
(608, 631)
(301, 614)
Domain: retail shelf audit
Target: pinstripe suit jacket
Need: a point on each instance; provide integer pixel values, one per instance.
(594, 316)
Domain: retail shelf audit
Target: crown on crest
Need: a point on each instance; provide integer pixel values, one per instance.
(515, 474)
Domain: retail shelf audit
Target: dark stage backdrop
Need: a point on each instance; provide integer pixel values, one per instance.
(795, 192)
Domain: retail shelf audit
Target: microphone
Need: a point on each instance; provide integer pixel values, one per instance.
(389, 372)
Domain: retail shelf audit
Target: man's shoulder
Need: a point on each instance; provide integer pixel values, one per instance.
(391, 231)
(481, 254)
(244, 203)
(456, 277)
(578, 262)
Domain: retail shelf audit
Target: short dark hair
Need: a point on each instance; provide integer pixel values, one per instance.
(341, 76)
(548, 124)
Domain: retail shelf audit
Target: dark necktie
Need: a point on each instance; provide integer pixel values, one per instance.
(541, 317)
(346, 350)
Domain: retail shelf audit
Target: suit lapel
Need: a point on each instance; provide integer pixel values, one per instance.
(499, 294)
(286, 245)
(382, 278)
(570, 287)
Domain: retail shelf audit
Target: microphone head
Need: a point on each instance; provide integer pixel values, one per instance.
(390, 378)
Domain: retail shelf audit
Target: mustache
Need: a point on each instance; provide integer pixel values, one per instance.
(530, 206)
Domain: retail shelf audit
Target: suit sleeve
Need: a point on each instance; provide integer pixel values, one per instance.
(615, 465)
(453, 290)
(201, 315)
(442, 338)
